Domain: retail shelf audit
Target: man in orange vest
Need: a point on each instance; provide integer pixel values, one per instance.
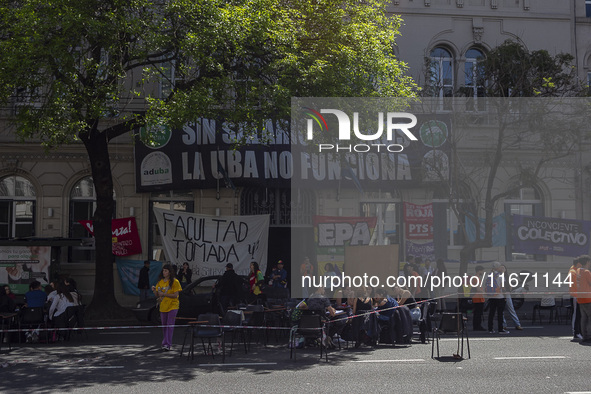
(576, 322)
(584, 296)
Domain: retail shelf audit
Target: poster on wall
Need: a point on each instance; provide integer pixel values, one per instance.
(203, 154)
(129, 273)
(208, 243)
(20, 265)
(126, 239)
(418, 230)
(424, 250)
(554, 236)
(333, 234)
(418, 221)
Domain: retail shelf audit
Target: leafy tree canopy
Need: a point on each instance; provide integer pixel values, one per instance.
(90, 70)
(86, 61)
(510, 70)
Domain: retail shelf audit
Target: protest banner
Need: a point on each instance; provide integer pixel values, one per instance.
(208, 243)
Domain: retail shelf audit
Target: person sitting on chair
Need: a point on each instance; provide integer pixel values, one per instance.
(61, 302)
(384, 304)
(35, 297)
(404, 297)
(318, 303)
(364, 324)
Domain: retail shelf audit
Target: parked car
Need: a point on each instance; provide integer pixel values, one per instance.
(196, 298)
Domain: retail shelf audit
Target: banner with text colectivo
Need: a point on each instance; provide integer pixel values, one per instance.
(541, 235)
(208, 243)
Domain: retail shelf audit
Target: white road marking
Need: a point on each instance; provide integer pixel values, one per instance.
(234, 364)
(529, 357)
(472, 339)
(389, 361)
(90, 367)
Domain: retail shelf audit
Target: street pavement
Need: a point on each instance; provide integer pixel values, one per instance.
(539, 359)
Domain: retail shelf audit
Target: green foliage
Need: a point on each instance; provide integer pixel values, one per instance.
(91, 70)
(510, 70)
(85, 65)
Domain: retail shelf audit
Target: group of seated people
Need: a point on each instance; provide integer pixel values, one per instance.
(364, 316)
(55, 298)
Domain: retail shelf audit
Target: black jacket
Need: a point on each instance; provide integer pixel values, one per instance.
(187, 276)
(144, 281)
(230, 284)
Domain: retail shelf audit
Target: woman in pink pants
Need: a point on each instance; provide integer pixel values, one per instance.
(167, 290)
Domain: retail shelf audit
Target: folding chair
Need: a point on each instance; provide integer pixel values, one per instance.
(208, 333)
(546, 303)
(235, 318)
(424, 324)
(451, 323)
(33, 318)
(8, 320)
(255, 317)
(75, 319)
(310, 327)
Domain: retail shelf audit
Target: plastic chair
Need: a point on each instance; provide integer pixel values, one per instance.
(208, 333)
(451, 323)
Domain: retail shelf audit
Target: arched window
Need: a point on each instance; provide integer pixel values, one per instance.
(17, 207)
(441, 73)
(181, 201)
(474, 79)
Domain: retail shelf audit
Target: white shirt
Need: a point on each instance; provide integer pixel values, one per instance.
(51, 296)
(60, 303)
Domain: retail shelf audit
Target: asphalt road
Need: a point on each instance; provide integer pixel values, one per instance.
(540, 359)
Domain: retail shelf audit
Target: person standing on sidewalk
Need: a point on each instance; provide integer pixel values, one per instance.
(509, 301)
(144, 281)
(185, 275)
(167, 290)
(584, 297)
(496, 299)
(478, 300)
(576, 321)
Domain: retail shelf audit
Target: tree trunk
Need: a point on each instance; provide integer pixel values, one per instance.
(466, 255)
(103, 306)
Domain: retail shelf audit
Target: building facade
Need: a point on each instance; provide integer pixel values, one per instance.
(45, 194)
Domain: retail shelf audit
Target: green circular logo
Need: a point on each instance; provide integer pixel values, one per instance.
(155, 136)
(433, 133)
